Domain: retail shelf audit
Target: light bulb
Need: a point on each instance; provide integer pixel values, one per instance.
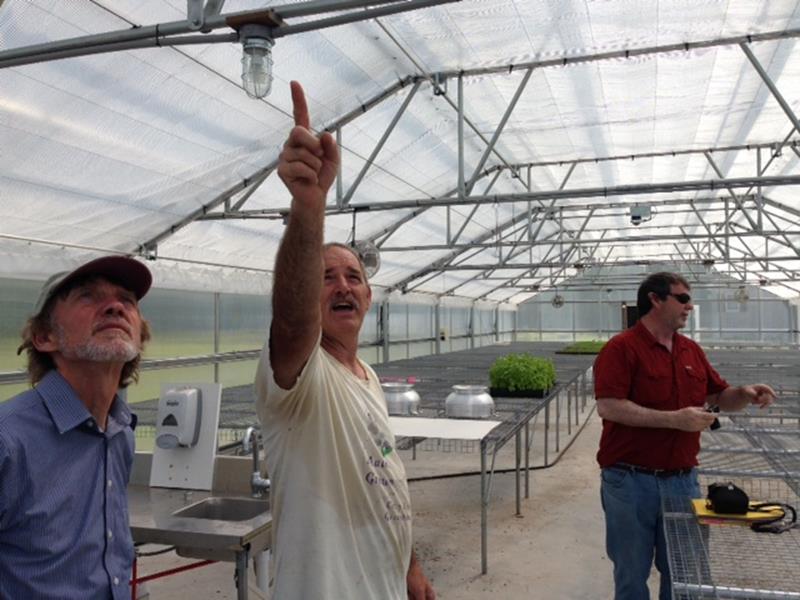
(257, 66)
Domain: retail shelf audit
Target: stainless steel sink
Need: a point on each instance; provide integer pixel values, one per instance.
(219, 508)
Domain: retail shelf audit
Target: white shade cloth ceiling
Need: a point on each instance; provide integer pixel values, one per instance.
(104, 152)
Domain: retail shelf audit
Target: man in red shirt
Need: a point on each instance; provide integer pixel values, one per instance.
(652, 385)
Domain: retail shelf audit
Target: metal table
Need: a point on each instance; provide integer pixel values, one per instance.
(435, 375)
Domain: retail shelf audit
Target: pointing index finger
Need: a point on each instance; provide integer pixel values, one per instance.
(299, 106)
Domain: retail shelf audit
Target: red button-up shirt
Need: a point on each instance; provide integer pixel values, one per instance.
(634, 366)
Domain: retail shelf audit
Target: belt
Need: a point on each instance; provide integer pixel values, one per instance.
(654, 472)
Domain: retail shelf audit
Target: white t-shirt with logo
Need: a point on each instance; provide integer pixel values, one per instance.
(340, 505)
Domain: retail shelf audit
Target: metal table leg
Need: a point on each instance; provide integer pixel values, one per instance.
(569, 410)
(484, 506)
(241, 574)
(558, 421)
(527, 460)
(546, 432)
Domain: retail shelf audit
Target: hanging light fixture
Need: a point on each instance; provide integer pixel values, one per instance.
(256, 60)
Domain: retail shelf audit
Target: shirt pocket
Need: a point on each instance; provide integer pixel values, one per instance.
(696, 384)
(652, 387)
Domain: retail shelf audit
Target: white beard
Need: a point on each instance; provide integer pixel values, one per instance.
(113, 350)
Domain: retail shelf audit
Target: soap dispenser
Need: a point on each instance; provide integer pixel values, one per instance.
(180, 411)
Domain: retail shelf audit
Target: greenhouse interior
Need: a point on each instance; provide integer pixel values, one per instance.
(511, 172)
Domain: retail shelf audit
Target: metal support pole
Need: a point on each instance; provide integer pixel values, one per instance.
(484, 507)
(437, 327)
(472, 325)
(462, 190)
(408, 330)
(727, 233)
(384, 323)
(770, 85)
(759, 196)
(216, 335)
(516, 321)
(759, 314)
(503, 120)
(381, 142)
(517, 462)
(339, 182)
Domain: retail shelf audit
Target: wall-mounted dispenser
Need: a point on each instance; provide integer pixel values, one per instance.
(180, 412)
(186, 435)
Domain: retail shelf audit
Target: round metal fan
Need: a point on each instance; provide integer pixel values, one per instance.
(741, 295)
(370, 256)
(557, 301)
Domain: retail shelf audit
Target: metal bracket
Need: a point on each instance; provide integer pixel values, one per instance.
(194, 14)
(149, 251)
(197, 13)
(439, 84)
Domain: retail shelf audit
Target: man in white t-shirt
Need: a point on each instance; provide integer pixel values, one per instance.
(340, 502)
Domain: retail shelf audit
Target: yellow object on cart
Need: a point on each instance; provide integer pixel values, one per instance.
(707, 516)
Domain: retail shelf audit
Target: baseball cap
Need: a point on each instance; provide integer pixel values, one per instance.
(123, 270)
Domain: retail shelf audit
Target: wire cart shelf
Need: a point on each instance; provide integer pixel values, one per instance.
(759, 451)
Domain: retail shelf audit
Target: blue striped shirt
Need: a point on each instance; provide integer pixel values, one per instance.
(64, 529)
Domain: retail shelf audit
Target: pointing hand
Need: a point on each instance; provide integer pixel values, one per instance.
(307, 164)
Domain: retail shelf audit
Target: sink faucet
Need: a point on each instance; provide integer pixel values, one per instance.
(258, 484)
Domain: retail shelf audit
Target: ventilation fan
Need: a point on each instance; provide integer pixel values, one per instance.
(558, 301)
(370, 256)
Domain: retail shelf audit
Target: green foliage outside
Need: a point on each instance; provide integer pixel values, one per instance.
(522, 372)
(585, 347)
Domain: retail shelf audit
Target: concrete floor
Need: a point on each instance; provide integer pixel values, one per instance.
(554, 551)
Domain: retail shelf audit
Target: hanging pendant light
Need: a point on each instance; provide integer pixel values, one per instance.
(256, 60)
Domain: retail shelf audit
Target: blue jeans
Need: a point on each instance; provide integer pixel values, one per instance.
(634, 528)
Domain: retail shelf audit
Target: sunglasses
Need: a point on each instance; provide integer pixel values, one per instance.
(682, 298)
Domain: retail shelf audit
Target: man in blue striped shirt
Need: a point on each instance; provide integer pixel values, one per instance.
(66, 446)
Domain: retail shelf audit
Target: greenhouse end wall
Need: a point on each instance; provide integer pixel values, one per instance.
(718, 318)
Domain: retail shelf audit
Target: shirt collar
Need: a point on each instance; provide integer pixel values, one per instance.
(650, 339)
(67, 410)
(120, 416)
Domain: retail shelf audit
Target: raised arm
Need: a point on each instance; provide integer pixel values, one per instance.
(307, 167)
